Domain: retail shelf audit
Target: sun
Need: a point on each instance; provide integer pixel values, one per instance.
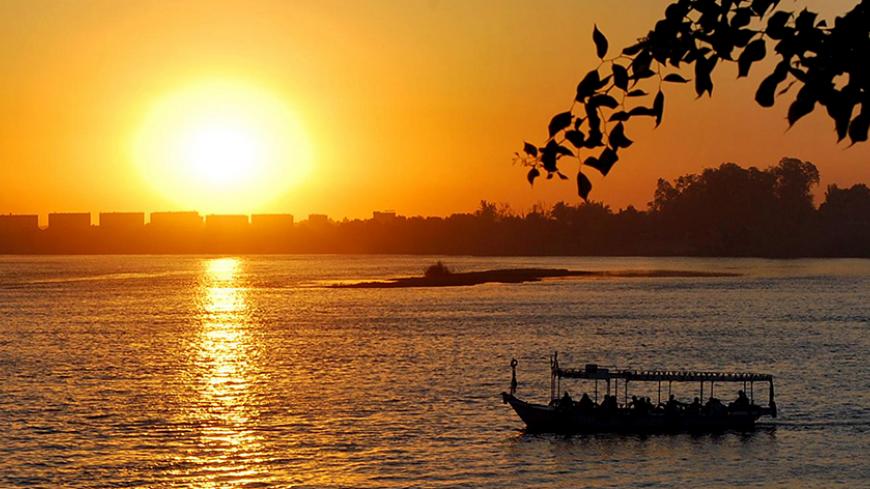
(221, 146)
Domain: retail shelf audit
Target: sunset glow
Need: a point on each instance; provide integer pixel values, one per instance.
(221, 147)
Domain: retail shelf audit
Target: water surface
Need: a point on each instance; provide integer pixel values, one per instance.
(246, 372)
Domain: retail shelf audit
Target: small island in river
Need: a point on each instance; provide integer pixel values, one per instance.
(438, 275)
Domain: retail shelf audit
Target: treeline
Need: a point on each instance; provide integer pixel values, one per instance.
(724, 211)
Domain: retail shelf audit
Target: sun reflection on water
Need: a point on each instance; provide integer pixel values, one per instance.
(229, 450)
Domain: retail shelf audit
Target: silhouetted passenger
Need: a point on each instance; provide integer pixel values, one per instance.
(609, 403)
(714, 407)
(742, 402)
(694, 407)
(566, 401)
(585, 403)
(672, 406)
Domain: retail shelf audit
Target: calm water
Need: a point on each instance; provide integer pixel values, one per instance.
(246, 372)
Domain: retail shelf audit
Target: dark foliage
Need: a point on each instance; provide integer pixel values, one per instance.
(828, 64)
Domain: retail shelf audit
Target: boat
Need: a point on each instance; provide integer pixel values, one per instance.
(639, 415)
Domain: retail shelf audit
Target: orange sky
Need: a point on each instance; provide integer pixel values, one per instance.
(412, 106)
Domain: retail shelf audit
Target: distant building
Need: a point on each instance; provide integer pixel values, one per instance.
(69, 221)
(318, 219)
(122, 221)
(18, 223)
(272, 222)
(176, 220)
(226, 222)
(384, 216)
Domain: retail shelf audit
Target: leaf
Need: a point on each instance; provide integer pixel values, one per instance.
(588, 85)
(633, 49)
(741, 18)
(600, 42)
(530, 150)
(675, 78)
(761, 6)
(559, 122)
(640, 110)
(764, 94)
(575, 137)
(561, 175)
(620, 116)
(617, 138)
(636, 93)
(805, 20)
(776, 24)
(703, 82)
(604, 162)
(532, 175)
(754, 51)
(859, 127)
(584, 186)
(803, 104)
(604, 100)
(659, 107)
(620, 77)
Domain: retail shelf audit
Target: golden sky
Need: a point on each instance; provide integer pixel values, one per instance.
(415, 106)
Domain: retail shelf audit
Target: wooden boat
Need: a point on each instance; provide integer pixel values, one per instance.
(564, 415)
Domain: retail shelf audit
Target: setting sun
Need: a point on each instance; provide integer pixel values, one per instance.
(221, 147)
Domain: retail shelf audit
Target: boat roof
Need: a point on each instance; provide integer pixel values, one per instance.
(593, 371)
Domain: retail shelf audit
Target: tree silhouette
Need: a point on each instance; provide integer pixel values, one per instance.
(829, 65)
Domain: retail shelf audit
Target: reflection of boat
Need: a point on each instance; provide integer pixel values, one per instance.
(564, 415)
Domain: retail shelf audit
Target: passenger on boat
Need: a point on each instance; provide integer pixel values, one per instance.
(609, 403)
(714, 407)
(585, 403)
(742, 402)
(673, 405)
(639, 404)
(566, 402)
(694, 407)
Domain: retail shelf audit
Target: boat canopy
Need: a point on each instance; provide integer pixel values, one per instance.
(594, 372)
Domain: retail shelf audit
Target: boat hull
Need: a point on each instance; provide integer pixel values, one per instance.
(551, 419)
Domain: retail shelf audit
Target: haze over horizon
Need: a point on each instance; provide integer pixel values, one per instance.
(227, 107)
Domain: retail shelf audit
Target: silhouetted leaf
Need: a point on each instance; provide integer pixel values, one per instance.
(548, 160)
(675, 78)
(620, 77)
(647, 111)
(575, 137)
(754, 51)
(633, 49)
(764, 94)
(776, 24)
(859, 127)
(839, 107)
(761, 6)
(802, 105)
(618, 138)
(741, 18)
(594, 139)
(561, 175)
(559, 122)
(604, 100)
(600, 42)
(703, 82)
(584, 186)
(588, 85)
(532, 175)
(659, 107)
(636, 93)
(620, 116)
(530, 150)
(604, 162)
(805, 20)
